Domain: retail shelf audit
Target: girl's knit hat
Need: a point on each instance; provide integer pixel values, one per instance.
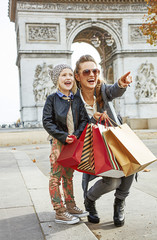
(56, 72)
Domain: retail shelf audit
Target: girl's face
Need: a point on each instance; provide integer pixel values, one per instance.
(66, 81)
(88, 75)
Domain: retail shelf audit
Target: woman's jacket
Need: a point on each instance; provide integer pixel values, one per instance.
(110, 92)
(55, 116)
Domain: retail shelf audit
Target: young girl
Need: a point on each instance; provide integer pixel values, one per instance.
(64, 118)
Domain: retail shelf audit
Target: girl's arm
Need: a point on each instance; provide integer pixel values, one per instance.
(49, 123)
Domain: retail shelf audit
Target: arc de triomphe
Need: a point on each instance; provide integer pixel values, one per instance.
(45, 31)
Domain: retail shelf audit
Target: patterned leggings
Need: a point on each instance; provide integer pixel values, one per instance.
(57, 173)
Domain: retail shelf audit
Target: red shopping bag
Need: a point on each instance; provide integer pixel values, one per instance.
(101, 160)
(105, 162)
(71, 153)
(86, 164)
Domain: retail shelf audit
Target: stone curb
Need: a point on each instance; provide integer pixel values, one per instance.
(34, 136)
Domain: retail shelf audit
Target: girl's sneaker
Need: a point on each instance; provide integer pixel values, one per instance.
(75, 211)
(66, 218)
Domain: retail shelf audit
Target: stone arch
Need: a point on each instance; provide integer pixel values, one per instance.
(82, 31)
(110, 78)
(103, 26)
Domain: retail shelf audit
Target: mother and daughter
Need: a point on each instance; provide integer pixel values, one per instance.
(81, 97)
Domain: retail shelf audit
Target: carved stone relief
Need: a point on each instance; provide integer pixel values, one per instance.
(77, 7)
(135, 34)
(42, 85)
(116, 24)
(146, 82)
(72, 23)
(42, 32)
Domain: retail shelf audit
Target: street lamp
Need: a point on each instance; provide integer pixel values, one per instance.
(100, 39)
(96, 40)
(109, 41)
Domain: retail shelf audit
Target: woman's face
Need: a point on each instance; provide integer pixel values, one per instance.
(88, 75)
(66, 81)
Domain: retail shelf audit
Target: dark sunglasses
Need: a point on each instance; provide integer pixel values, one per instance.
(87, 72)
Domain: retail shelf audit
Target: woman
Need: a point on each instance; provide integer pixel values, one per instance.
(97, 97)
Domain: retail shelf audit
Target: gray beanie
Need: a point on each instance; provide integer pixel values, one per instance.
(56, 72)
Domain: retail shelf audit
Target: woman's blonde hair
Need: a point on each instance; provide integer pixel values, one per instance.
(89, 58)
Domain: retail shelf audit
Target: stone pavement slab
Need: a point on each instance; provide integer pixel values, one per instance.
(140, 218)
(12, 188)
(25, 210)
(17, 217)
(19, 223)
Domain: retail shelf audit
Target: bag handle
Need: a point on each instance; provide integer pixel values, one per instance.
(107, 121)
(111, 120)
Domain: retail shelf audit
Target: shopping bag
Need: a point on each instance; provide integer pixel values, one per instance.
(130, 152)
(105, 162)
(86, 164)
(100, 159)
(71, 153)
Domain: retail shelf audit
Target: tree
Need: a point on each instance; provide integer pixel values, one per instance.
(149, 27)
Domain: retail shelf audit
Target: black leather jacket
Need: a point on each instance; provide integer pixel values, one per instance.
(55, 116)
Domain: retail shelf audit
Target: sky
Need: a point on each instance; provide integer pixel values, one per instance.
(9, 79)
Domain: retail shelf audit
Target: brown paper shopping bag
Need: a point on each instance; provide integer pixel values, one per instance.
(130, 152)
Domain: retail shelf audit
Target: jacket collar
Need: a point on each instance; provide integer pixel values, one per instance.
(60, 94)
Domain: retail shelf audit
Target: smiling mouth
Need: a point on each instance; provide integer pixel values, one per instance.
(91, 80)
(67, 83)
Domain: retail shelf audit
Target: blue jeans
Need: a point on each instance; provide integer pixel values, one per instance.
(105, 185)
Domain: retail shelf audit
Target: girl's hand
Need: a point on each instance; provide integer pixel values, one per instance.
(125, 80)
(97, 115)
(70, 139)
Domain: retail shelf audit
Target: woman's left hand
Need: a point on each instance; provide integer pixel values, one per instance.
(97, 116)
(104, 116)
(125, 80)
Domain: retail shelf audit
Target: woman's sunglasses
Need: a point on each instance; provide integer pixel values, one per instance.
(87, 72)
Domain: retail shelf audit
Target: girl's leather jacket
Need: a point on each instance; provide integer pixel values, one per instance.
(55, 116)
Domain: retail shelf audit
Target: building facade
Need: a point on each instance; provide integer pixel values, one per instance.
(45, 31)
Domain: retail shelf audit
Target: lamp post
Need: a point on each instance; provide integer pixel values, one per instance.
(98, 39)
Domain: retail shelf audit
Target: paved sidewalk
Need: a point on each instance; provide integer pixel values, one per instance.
(25, 209)
(26, 212)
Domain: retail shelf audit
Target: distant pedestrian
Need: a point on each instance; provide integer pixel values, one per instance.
(64, 118)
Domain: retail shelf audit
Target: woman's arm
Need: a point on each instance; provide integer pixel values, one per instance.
(118, 88)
